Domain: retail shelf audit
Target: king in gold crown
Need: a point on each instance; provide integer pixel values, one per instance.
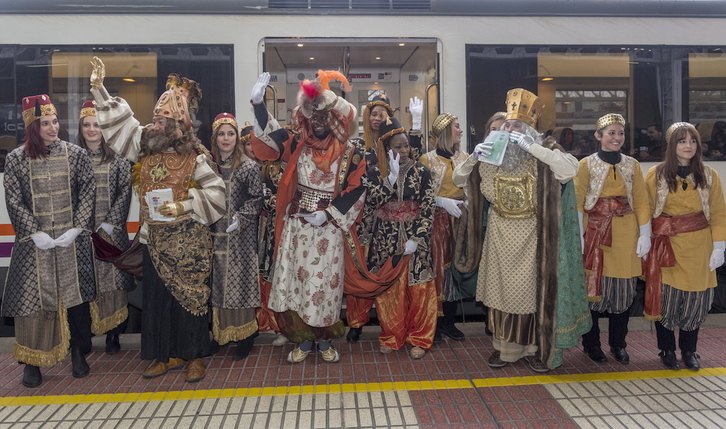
(524, 106)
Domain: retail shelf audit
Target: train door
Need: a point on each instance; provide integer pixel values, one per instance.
(401, 68)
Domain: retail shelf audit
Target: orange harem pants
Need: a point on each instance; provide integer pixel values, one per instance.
(357, 311)
(265, 317)
(407, 314)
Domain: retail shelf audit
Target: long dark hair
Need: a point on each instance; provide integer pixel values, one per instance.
(106, 152)
(32, 143)
(668, 169)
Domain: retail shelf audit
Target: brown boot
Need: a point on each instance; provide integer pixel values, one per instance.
(195, 370)
(160, 368)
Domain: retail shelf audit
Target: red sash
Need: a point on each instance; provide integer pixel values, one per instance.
(661, 255)
(599, 232)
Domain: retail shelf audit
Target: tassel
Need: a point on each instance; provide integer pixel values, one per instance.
(37, 108)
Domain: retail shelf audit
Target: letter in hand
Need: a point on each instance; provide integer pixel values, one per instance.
(98, 73)
(258, 91)
(483, 150)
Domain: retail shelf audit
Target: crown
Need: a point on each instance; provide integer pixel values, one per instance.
(676, 126)
(524, 106)
(609, 119)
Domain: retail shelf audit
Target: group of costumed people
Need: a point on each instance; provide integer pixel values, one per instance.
(275, 226)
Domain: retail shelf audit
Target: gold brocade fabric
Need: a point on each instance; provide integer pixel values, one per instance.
(163, 170)
(515, 196)
(181, 252)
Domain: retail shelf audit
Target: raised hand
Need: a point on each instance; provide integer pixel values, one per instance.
(258, 91)
(393, 167)
(98, 73)
(415, 106)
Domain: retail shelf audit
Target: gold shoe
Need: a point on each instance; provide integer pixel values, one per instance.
(330, 355)
(297, 355)
(195, 370)
(417, 352)
(160, 368)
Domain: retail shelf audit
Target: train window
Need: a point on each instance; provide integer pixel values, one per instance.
(652, 86)
(135, 72)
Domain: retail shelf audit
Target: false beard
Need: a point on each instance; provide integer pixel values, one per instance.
(153, 141)
(514, 157)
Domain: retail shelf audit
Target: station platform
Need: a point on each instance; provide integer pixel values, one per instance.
(451, 387)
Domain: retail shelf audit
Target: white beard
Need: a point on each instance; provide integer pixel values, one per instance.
(514, 157)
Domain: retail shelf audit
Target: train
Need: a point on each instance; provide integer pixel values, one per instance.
(655, 62)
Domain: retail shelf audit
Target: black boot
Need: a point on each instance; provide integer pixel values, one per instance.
(690, 359)
(78, 362)
(446, 323)
(112, 344)
(452, 332)
(596, 354)
(668, 357)
(32, 376)
(243, 348)
(438, 339)
(354, 334)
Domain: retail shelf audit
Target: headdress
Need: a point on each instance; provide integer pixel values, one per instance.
(609, 119)
(676, 126)
(389, 128)
(37, 106)
(380, 100)
(316, 95)
(524, 106)
(245, 134)
(179, 100)
(221, 119)
(88, 109)
(439, 125)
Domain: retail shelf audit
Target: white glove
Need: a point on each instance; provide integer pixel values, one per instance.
(234, 225)
(483, 150)
(106, 227)
(717, 257)
(316, 218)
(43, 241)
(411, 247)
(450, 205)
(643, 241)
(580, 218)
(415, 106)
(258, 91)
(523, 140)
(67, 237)
(393, 167)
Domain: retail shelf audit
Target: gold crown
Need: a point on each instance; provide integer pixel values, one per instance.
(440, 123)
(524, 106)
(675, 126)
(609, 119)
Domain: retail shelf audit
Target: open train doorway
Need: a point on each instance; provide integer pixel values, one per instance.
(401, 68)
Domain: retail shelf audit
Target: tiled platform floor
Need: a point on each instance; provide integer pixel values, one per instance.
(451, 387)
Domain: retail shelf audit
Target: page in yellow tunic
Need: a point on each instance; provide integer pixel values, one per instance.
(620, 260)
(692, 249)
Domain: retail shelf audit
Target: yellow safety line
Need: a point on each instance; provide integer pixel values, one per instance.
(354, 387)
